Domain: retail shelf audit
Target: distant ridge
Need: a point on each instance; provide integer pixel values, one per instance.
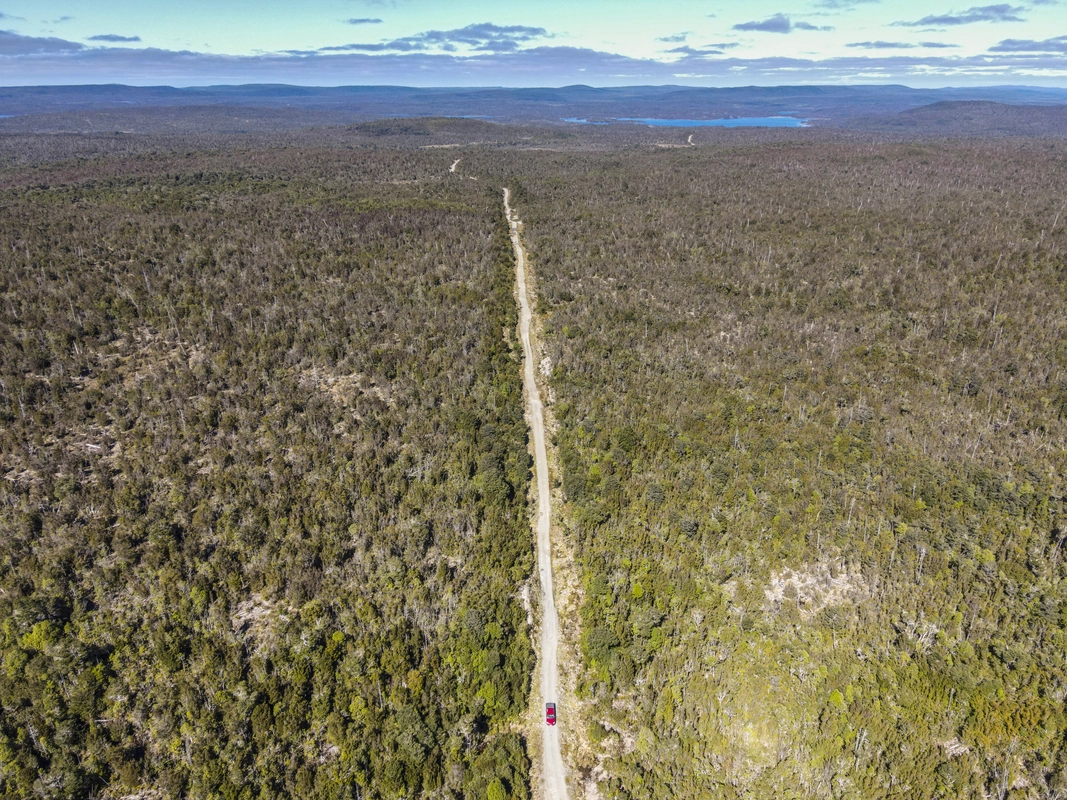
(822, 104)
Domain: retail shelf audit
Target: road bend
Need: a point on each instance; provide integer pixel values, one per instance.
(554, 773)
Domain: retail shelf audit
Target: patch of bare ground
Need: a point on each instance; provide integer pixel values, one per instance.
(343, 388)
(256, 619)
(814, 587)
(141, 794)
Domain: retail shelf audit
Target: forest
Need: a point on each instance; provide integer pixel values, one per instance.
(264, 464)
(264, 474)
(812, 410)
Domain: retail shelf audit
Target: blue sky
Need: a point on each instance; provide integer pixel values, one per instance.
(543, 43)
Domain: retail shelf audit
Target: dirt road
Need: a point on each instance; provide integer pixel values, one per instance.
(554, 773)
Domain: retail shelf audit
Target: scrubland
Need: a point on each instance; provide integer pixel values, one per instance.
(265, 472)
(263, 480)
(813, 405)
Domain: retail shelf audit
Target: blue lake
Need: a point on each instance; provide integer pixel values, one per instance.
(738, 122)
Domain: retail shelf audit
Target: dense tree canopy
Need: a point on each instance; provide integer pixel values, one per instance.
(263, 508)
(264, 480)
(812, 440)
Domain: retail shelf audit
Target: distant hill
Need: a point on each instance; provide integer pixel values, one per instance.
(217, 119)
(972, 118)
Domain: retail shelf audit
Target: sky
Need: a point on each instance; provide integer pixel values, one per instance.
(928, 43)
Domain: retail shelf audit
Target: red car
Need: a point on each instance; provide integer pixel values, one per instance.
(550, 713)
